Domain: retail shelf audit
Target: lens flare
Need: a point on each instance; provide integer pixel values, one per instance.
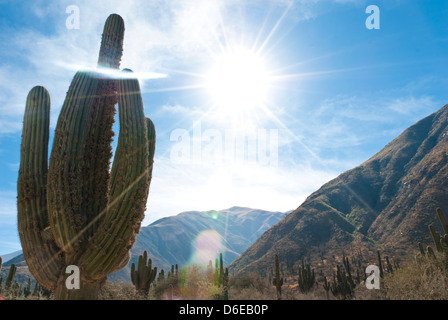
(206, 247)
(238, 81)
(214, 215)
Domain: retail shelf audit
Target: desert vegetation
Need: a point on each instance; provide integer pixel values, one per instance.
(423, 277)
(77, 210)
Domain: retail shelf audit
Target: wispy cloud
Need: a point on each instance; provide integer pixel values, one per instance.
(160, 35)
(188, 186)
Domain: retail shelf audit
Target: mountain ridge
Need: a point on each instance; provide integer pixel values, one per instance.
(188, 237)
(384, 203)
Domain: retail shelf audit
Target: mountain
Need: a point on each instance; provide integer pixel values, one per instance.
(194, 237)
(9, 256)
(19, 261)
(386, 204)
(197, 237)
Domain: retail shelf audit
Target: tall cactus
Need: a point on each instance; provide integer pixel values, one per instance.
(380, 264)
(11, 276)
(144, 275)
(306, 279)
(341, 286)
(277, 280)
(441, 242)
(75, 211)
(327, 287)
(225, 284)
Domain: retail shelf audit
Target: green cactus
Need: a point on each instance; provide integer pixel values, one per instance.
(75, 211)
(390, 268)
(39, 291)
(144, 276)
(380, 264)
(27, 289)
(441, 242)
(327, 287)
(11, 275)
(306, 278)
(348, 271)
(341, 286)
(221, 269)
(225, 284)
(277, 280)
(161, 276)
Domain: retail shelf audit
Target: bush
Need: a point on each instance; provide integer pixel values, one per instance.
(425, 280)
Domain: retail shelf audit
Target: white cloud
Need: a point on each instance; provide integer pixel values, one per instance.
(410, 106)
(189, 186)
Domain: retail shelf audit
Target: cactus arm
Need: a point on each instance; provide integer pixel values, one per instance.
(66, 174)
(421, 249)
(41, 254)
(79, 163)
(11, 275)
(111, 49)
(442, 220)
(129, 186)
(151, 144)
(133, 280)
(436, 237)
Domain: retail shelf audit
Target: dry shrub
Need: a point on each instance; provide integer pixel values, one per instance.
(251, 287)
(426, 280)
(119, 291)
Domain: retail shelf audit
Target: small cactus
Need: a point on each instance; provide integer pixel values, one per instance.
(144, 275)
(327, 288)
(306, 278)
(441, 242)
(341, 286)
(225, 284)
(380, 264)
(277, 280)
(11, 275)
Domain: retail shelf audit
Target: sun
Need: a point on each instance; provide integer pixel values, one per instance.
(238, 81)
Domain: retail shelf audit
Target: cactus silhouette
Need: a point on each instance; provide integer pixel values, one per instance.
(144, 275)
(76, 210)
(11, 275)
(277, 280)
(440, 241)
(306, 278)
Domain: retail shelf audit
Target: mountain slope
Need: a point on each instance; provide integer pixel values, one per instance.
(385, 203)
(9, 256)
(197, 237)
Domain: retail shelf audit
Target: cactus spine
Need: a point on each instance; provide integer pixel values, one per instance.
(74, 211)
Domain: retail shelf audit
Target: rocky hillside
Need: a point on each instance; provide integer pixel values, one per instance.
(197, 237)
(385, 203)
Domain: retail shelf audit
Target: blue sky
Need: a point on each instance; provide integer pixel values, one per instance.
(337, 91)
